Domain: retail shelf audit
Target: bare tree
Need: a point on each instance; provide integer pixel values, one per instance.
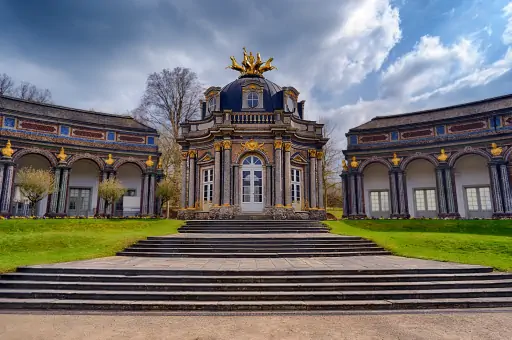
(6, 85)
(171, 97)
(28, 91)
(332, 166)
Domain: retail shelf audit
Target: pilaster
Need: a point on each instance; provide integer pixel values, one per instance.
(268, 186)
(320, 175)
(345, 193)
(217, 173)
(312, 178)
(192, 178)
(226, 143)
(278, 176)
(184, 180)
(287, 175)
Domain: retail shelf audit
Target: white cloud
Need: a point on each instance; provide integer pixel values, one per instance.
(507, 33)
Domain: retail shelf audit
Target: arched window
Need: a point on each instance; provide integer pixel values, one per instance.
(252, 99)
(252, 160)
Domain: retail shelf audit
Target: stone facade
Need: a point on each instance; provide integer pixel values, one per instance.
(82, 148)
(266, 159)
(449, 163)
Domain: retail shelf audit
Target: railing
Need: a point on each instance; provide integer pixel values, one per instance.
(252, 118)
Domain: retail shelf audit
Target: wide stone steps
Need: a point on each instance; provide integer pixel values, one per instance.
(252, 227)
(253, 290)
(253, 254)
(294, 230)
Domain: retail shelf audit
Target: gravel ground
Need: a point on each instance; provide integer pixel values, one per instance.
(465, 325)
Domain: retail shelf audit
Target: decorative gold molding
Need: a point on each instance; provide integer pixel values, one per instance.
(150, 162)
(442, 156)
(278, 144)
(354, 164)
(287, 146)
(7, 151)
(395, 160)
(320, 154)
(160, 165)
(344, 165)
(217, 146)
(192, 153)
(312, 153)
(251, 65)
(184, 155)
(109, 160)
(252, 145)
(62, 155)
(495, 150)
(226, 144)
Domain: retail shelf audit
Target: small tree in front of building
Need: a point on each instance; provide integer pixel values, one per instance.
(111, 190)
(35, 184)
(168, 191)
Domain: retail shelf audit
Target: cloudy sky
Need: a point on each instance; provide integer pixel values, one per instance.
(351, 60)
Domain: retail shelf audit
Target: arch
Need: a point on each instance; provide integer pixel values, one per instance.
(374, 159)
(468, 151)
(419, 155)
(253, 152)
(45, 153)
(120, 161)
(508, 154)
(97, 160)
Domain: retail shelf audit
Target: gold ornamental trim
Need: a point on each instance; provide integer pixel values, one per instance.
(7, 151)
(442, 156)
(278, 144)
(150, 162)
(252, 145)
(192, 153)
(217, 146)
(344, 164)
(184, 155)
(62, 155)
(495, 150)
(354, 164)
(226, 144)
(287, 146)
(312, 153)
(395, 160)
(109, 160)
(251, 65)
(320, 155)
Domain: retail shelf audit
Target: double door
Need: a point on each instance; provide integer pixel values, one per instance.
(252, 190)
(79, 202)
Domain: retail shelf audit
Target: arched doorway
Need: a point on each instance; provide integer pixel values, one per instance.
(252, 184)
(473, 186)
(83, 188)
(376, 190)
(20, 204)
(130, 176)
(421, 188)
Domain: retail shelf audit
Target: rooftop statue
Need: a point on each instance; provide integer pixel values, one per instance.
(251, 65)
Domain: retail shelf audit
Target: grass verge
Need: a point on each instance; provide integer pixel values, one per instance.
(29, 242)
(483, 242)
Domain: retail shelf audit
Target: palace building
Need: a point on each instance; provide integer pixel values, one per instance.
(452, 162)
(252, 152)
(82, 148)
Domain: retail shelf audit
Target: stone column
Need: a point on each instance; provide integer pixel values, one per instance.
(63, 192)
(345, 194)
(268, 186)
(192, 178)
(360, 195)
(8, 183)
(496, 190)
(287, 175)
(402, 195)
(184, 181)
(226, 194)
(507, 190)
(312, 179)
(353, 193)
(395, 206)
(451, 197)
(101, 202)
(320, 175)
(2, 169)
(145, 194)
(54, 197)
(152, 198)
(441, 196)
(236, 185)
(278, 184)
(217, 174)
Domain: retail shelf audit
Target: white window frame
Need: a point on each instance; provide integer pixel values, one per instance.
(425, 212)
(249, 99)
(207, 183)
(380, 212)
(296, 186)
(480, 212)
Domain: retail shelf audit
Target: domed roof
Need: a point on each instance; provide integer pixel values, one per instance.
(231, 94)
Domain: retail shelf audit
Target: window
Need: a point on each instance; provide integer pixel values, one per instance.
(252, 160)
(208, 185)
(479, 199)
(211, 104)
(131, 192)
(425, 199)
(290, 104)
(252, 99)
(379, 201)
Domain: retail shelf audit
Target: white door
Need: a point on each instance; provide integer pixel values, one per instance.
(478, 202)
(252, 184)
(207, 188)
(379, 204)
(296, 190)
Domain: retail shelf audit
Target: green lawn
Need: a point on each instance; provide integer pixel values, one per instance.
(337, 212)
(484, 242)
(28, 242)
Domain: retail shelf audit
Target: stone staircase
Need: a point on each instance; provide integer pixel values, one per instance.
(259, 266)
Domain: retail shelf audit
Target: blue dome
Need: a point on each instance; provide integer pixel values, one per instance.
(231, 94)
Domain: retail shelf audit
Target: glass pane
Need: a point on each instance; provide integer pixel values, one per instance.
(246, 198)
(293, 192)
(472, 199)
(485, 199)
(247, 160)
(374, 199)
(298, 191)
(246, 175)
(431, 200)
(257, 178)
(258, 198)
(72, 205)
(420, 200)
(257, 161)
(384, 201)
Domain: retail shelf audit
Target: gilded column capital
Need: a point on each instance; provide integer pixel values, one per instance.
(226, 144)
(320, 154)
(192, 153)
(184, 155)
(312, 153)
(217, 146)
(287, 146)
(278, 144)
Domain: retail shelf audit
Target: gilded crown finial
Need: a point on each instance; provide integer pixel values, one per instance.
(354, 164)
(442, 156)
(109, 160)
(7, 151)
(395, 159)
(251, 65)
(495, 150)
(150, 162)
(62, 155)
